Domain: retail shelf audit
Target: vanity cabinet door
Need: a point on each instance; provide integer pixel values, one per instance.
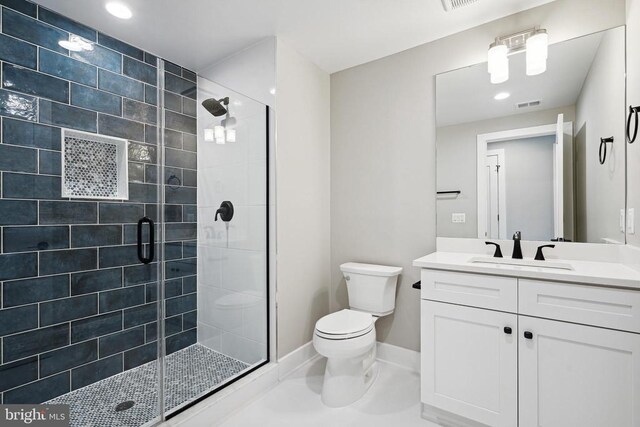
(469, 362)
(577, 376)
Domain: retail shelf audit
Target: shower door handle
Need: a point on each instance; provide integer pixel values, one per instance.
(141, 257)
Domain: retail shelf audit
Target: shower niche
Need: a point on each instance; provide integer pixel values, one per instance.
(94, 166)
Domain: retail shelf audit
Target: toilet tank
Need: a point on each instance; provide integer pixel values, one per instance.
(371, 288)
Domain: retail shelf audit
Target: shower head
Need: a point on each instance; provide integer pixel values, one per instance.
(216, 106)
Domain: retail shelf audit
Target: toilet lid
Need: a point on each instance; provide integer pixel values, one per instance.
(345, 322)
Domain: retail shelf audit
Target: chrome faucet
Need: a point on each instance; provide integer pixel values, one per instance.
(517, 249)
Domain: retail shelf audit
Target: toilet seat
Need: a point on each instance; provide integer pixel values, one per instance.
(345, 324)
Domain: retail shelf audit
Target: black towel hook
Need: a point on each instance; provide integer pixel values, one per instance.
(633, 113)
(602, 152)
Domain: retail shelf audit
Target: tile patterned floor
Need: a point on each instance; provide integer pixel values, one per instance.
(190, 372)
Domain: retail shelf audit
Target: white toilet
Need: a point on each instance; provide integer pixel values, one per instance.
(347, 338)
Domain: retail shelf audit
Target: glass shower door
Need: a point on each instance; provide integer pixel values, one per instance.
(215, 233)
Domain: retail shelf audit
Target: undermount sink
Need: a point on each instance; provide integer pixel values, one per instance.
(522, 262)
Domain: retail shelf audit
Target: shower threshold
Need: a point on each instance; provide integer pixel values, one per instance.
(190, 373)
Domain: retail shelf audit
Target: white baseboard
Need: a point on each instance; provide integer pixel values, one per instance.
(400, 356)
(296, 359)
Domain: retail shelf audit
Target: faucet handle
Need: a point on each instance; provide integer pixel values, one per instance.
(539, 254)
(498, 252)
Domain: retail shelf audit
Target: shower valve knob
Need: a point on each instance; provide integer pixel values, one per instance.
(225, 211)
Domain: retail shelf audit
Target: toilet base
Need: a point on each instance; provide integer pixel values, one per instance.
(346, 380)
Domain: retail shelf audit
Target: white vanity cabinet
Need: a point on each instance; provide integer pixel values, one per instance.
(577, 376)
(470, 365)
(504, 351)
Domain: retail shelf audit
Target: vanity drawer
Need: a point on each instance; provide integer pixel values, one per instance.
(589, 305)
(475, 290)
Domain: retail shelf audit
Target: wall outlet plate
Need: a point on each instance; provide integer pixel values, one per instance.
(458, 218)
(631, 221)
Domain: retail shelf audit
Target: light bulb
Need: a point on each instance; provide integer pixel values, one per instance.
(501, 96)
(501, 72)
(219, 132)
(497, 53)
(498, 63)
(209, 135)
(537, 53)
(231, 135)
(220, 141)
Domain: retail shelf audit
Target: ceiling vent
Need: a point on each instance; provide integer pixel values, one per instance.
(450, 5)
(528, 104)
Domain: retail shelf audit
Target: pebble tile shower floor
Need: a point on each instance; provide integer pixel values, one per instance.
(190, 372)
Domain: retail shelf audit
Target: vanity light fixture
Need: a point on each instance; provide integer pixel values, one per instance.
(223, 133)
(534, 41)
(501, 96)
(119, 10)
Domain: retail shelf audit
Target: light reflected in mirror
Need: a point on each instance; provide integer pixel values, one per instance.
(526, 155)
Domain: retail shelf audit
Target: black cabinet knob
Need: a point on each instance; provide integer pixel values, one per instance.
(528, 335)
(507, 330)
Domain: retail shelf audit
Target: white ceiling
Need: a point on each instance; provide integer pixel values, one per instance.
(335, 34)
(466, 95)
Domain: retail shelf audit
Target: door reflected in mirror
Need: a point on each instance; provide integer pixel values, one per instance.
(525, 155)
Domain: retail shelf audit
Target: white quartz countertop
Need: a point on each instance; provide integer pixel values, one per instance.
(588, 272)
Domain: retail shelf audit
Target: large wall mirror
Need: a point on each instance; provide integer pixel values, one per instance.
(534, 154)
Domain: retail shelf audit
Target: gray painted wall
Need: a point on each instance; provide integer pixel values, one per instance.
(302, 197)
(633, 98)
(600, 112)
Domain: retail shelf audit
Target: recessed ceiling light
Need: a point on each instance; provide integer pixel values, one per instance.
(501, 96)
(119, 10)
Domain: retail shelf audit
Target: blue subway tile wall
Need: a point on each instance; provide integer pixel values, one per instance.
(34, 83)
(76, 305)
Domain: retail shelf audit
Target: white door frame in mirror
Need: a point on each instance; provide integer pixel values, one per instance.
(497, 225)
(521, 133)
